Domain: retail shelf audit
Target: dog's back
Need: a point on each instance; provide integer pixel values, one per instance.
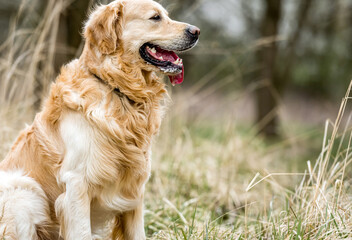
(23, 207)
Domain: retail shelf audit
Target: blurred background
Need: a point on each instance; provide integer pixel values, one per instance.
(261, 92)
(292, 58)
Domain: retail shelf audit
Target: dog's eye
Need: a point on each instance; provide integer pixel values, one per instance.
(155, 17)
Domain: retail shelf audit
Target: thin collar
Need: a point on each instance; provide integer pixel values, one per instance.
(116, 90)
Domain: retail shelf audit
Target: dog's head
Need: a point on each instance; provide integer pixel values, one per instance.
(140, 33)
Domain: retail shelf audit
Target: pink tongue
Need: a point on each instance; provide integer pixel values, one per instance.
(177, 79)
(171, 57)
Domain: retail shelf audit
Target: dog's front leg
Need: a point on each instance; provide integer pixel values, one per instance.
(130, 225)
(73, 209)
(133, 222)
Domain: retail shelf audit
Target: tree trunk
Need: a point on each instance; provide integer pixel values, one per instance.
(267, 118)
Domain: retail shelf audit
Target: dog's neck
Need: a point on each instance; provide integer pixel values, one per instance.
(116, 90)
(136, 84)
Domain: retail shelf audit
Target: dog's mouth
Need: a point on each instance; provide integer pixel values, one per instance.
(167, 61)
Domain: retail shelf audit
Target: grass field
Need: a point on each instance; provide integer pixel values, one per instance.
(214, 180)
(212, 177)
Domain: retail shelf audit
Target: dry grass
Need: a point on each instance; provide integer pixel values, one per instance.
(211, 179)
(205, 186)
(26, 66)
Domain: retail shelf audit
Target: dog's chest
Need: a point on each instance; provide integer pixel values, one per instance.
(100, 147)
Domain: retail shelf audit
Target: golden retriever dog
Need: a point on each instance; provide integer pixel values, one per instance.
(79, 171)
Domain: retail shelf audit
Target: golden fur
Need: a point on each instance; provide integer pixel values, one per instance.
(89, 148)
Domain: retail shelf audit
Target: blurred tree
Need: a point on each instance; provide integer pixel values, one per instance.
(71, 25)
(276, 64)
(266, 102)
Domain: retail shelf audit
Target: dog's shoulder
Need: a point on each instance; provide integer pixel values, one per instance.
(73, 90)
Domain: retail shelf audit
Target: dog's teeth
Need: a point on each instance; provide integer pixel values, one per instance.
(153, 50)
(178, 62)
(161, 58)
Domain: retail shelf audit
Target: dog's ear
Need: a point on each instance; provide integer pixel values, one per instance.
(103, 27)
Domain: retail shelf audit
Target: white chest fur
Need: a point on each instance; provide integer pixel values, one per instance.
(92, 160)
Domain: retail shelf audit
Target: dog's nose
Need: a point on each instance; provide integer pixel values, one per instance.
(193, 31)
